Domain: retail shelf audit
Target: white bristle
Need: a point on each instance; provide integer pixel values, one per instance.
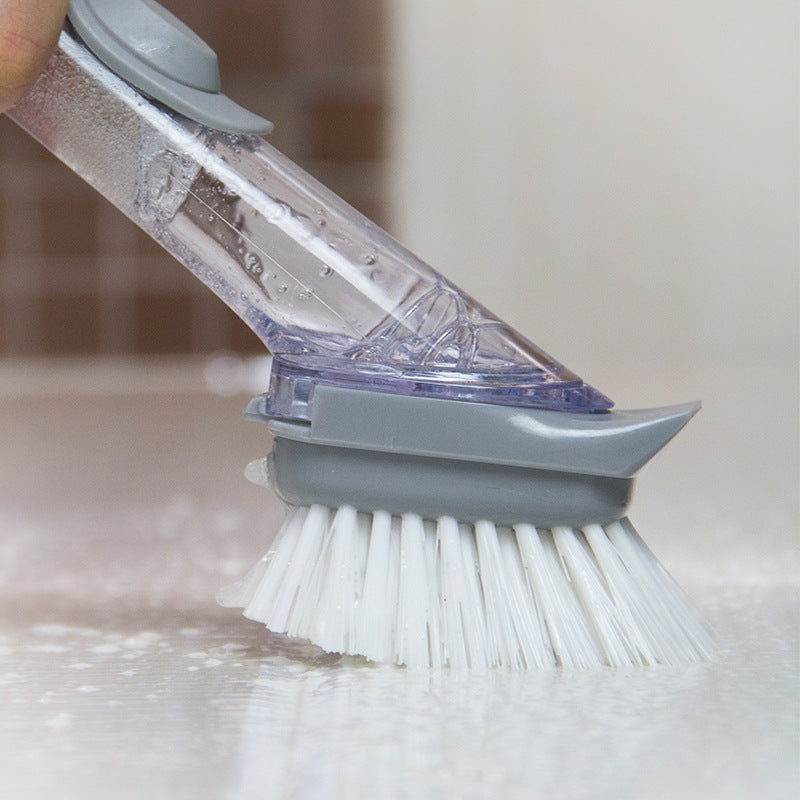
(558, 606)
(502, 636)
(404, 590)
(341, 581)
(378, 594)
(598, 606)
(463, 613)
(414, 608)
(682, 635)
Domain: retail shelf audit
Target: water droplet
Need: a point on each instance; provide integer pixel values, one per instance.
(279, 212)
(305, 294)
(369, 259)
(252, 263)
(283, 288)
(326, 270)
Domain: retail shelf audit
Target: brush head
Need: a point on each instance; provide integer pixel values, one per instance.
(472, 461)
(400, 589)
(420, 576)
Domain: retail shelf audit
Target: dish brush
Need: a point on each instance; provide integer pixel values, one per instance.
(455, 495)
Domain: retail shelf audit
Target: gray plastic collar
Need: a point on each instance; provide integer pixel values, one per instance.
(616, 443)
(303, 474)
(150, 48)
(467, 460)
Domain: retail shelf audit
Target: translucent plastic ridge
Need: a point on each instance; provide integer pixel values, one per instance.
(326, 290)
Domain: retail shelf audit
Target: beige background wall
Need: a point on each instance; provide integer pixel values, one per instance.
(618, 179)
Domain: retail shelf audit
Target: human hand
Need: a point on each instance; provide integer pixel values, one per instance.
(28, 34)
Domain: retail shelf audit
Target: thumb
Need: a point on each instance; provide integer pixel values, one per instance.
(28, 34)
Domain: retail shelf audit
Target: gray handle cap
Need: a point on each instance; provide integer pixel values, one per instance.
(152, 49)
(615, 444)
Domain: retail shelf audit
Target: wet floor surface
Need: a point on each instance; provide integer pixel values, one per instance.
(121, 515)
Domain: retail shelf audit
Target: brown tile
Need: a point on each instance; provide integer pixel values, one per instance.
(163, 322)
(241, 338)
(17, 146)
(323, 41)
(372, 209)
(160, 272)
(191, 12)
(70, 324)
(9, 347)
(19, 329)
(348, 33)
(69, 227)
(145, 245)
(249, 35)
(344, 129)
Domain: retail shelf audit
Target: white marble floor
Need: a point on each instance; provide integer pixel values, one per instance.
(123, 509)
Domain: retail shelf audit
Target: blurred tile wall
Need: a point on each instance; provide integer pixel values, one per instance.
(77, 278)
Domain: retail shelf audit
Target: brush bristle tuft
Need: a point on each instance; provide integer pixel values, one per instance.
(400, 589)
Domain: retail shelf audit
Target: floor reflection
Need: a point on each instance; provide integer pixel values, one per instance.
(119, 675)
(351, 729)
(207, 705)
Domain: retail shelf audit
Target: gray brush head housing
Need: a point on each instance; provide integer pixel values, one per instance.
(471, 461)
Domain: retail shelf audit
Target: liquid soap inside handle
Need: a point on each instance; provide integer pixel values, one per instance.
(328, 291)
(306, 271)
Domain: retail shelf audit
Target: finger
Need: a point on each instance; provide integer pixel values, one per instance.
(28, 34)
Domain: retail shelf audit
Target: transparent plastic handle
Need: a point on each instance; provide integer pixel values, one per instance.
(325, 289)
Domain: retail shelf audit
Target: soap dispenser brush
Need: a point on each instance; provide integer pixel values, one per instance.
(455, 496)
